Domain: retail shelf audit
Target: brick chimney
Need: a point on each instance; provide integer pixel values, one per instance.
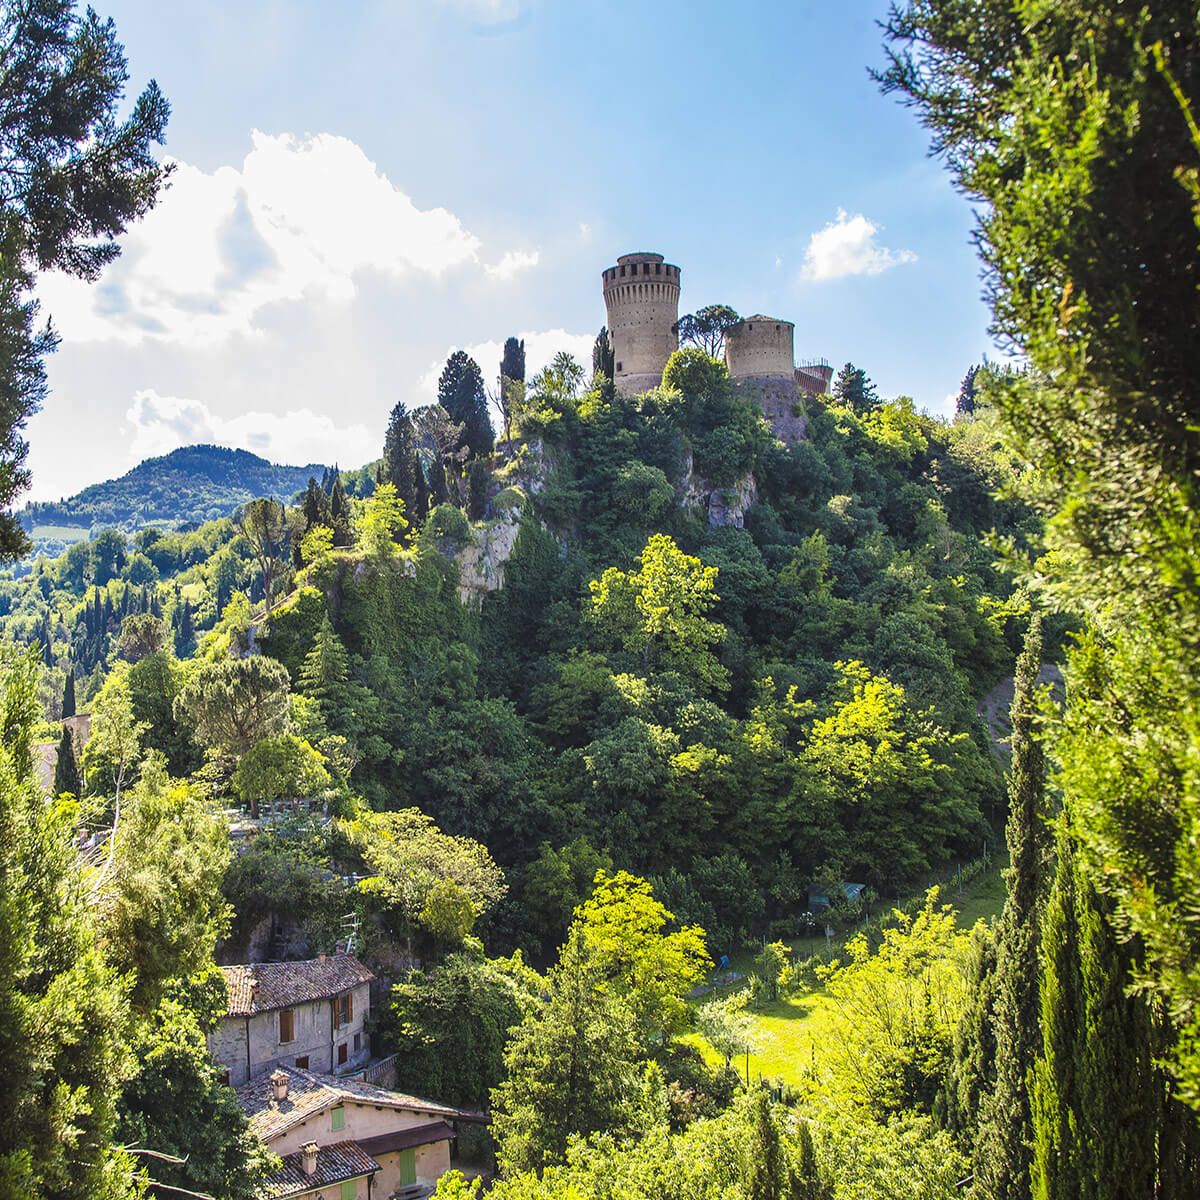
(279, 1085)
(308, 1158)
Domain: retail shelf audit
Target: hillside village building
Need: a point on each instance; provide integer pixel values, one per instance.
(294, 1047)
(342, 1139)
(310, 1015)
(641, 297)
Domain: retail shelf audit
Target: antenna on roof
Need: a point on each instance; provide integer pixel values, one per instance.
(350, 923)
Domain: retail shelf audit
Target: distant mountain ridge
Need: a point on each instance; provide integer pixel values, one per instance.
(188, 486)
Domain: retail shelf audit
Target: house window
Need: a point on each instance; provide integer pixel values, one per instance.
(302, 1062)
(357, 1042)
(337, 1118)
(287, 1025)
(618, 366)
(342, 1054)
(343, 1010)
(349, 1189)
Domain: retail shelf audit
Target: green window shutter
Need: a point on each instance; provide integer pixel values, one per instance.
(408, 1167)
(338, 1118)
(349, 1190)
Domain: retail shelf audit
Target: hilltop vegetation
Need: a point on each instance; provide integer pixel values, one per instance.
(187, 487)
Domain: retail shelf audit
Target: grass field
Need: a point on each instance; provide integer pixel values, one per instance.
(63, 533)
(784, 1027)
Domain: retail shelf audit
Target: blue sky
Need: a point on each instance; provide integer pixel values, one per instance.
(364, 187)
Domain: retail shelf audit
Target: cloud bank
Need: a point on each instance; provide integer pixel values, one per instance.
(300, 220)
(848, 246)
(161, 424)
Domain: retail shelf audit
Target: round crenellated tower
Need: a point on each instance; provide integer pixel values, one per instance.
(760, 357)
(760, 345)
(641, 294)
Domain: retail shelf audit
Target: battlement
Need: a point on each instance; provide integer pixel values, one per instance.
(641, 295)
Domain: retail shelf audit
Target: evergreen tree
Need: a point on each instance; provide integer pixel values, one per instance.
(339, 514)
(512, 381)
(1105, 1122)
(66, 767)
(64, 1015)
(572, 1067)
(185, 631)
(1005, 1137)
(972, 1075)
(965, 405)
(400, 466)
(68, 696)
(854, 389)
(603, 358)
(461, 394)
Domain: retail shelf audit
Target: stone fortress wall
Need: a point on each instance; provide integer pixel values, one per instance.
(641, 294)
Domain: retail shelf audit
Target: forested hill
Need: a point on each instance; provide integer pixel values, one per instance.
(188, 486)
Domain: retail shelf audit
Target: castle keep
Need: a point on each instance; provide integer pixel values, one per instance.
(641, 295)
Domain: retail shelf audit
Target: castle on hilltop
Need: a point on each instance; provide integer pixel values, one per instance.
(641, 294)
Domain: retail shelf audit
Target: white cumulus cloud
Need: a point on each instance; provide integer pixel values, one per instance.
(513, 263)
(540, 348)
(848, 246)
(300, 219)
(161, 424)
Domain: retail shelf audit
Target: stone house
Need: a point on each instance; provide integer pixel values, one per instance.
(343, 1139)
(307, 1014)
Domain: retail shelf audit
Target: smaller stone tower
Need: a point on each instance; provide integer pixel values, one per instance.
(758, 351)
(641, 294)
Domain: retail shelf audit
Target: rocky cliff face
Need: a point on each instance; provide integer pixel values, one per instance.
(481, 563)
(721, 506)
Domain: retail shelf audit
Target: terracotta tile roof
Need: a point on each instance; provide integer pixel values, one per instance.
(335, 1164)
(406, 1139)
(310, 1093)
(281, 985)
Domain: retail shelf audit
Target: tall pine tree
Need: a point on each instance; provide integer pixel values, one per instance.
(401, 466)
(1005, 1135)
(462, 395)
(68, 696)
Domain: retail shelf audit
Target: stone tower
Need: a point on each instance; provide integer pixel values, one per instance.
(641, 294)
(758, 351)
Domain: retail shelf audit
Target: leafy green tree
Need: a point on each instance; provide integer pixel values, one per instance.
(410, 856)
(263, 523)
(280, 771)
(175, 1104)
(380, 522)
(706, 328)
(73, 177)
(571, 1066)
(658, 611)
(651, 970)
(556, 882)
(462, 395)
(726, 1026)
(161, 909)
(855, 390)
(65, 1012)
(451, 1026)
(1092, 281)
(68, 696)
(66, 767)
(234, 703)
(141, 634)
(109, 551)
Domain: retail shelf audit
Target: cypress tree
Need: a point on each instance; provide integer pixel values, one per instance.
(66, 766)
(68, 696)
(1106, 1125)
(972, 1075)
(1003, 1146)
(339, 514)
(400, 465)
